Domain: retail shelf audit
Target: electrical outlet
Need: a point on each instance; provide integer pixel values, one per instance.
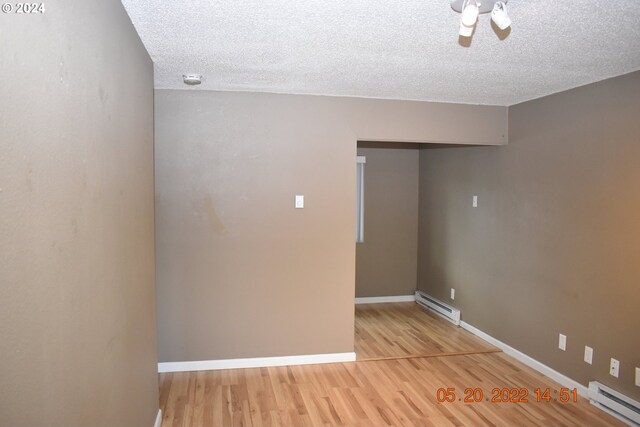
(453, 293)
(588, 354)
(614, 368)
(562, 342)
(638, 377)
(475, 201)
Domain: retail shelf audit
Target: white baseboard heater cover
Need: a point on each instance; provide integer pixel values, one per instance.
(444, 310)
(616, 404)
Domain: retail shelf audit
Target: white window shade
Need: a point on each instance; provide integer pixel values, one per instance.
(361, 160)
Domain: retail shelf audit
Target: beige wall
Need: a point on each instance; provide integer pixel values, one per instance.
(240, 272)
(386, 262)
(77, 315)
(553, 246)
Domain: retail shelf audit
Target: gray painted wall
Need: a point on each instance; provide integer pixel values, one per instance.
(554, 244)
(240, 272)
(77, 303)
(386, 262)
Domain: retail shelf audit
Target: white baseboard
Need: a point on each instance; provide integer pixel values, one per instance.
(529, 361)
(255, 362)
(378, 300)
(158, 422)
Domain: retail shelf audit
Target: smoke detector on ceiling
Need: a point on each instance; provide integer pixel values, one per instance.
(192, 79)
(470, 9)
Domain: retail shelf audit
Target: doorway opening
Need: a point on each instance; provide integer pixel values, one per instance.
(388, 323)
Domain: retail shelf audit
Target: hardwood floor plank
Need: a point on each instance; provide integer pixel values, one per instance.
(396, 330)
(396, 389)
(382, 393)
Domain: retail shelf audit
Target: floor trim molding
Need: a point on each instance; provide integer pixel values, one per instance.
(158, 422)
(378, 300)
(255, 362)
(529, 361)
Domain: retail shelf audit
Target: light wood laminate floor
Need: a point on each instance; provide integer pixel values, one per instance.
(406, 329)
(400, 391)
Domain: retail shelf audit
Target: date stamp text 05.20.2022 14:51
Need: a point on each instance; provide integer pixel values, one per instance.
(507, 395)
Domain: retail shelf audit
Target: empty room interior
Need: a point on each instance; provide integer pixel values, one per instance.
(366, 213)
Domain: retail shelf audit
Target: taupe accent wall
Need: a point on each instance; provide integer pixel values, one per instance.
(554, 244)
(240, 272)
(77, 305)
(386, 261)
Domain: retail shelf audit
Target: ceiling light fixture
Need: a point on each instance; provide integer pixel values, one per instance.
(470, 9)
(469, 17)
(499, 15)
(192, 79)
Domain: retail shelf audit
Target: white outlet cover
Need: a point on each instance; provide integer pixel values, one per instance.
(453, 293)
(638, 377)
(562, 342)
(475, 201)
(588, 354)
(614, 368)
(299, 201)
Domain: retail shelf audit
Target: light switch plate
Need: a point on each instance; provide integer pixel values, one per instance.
(562, 342)
(638, 377)
(475, 201)
(299, 201)
(614, 368)
(588, 354)
(453, 293)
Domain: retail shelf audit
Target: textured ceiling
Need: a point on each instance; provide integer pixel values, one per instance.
(399, 49)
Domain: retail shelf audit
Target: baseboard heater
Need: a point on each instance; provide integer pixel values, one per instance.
(444, 310)
(620, 406)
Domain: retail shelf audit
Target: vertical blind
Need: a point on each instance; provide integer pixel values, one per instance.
(361, 160)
